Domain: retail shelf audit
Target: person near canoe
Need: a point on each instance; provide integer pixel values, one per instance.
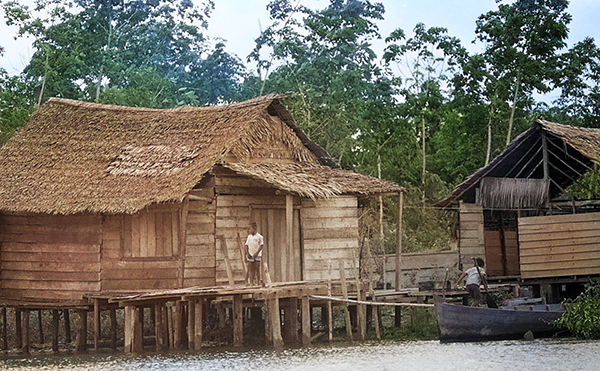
(475, 277)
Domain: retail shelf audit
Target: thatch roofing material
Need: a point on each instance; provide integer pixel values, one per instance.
(76, 157)
(513, 193)
(578, 148)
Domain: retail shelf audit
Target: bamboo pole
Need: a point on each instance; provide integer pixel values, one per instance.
(365, 302)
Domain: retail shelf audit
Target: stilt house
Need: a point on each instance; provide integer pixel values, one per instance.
(513, 214)
(99, 198)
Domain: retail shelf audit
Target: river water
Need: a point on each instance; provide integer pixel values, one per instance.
(547, 355)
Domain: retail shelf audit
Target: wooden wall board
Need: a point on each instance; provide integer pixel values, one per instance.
(560, 245)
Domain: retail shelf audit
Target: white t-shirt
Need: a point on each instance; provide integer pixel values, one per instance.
(254, 242)
(473, 276)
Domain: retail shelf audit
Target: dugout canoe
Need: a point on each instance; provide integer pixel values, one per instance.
(463, 323)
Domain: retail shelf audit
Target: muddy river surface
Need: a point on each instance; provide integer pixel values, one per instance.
(548, 355)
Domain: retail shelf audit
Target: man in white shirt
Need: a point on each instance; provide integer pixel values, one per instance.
(254, 248)
(474, 275)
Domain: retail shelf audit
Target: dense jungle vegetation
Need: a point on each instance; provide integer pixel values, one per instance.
(423, 112)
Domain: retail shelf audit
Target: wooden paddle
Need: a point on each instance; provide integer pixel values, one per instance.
(491, 303)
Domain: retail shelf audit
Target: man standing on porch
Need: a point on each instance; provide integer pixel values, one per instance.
(254, 248)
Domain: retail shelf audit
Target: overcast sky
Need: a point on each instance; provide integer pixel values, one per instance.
(239, 22)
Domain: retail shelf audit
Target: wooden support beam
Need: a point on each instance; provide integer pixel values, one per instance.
(198, 330)
(159, 326)
(81, 338)
(289, 230)
(546, 167)
(25, 328)
(571, 157)
(40, 326)
(275, 322)
(4, 329)
(399, 242)
(566, 164)
(329, 308)
(178, 325)
(133, 330)
(306, 321)
(18, 329)
(290, 320)
(238, 321)
(55, 318)
(361, 311)
(191, 323)
(345, 296)
(398, 316)
(67, 317)
(170, 330)
(539, 149)
(96, 324)
(113, 328)
(526, 155)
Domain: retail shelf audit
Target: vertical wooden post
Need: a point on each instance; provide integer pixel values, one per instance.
(306, 321)
(399, 241)
(40, 326)
(113, 328)
(289, 236)
(18, 329)
(133, 330)
(178, 325)
(292, 319)
(67, 326)
(345, 296)
(198, 322)
(546, 167)
(128, 328)
(275, 322)
(159, 327)
(329, 306)
(96, 324)
(25, 345)
(191, 324)
(238, 321)
(81, 339)
(170, 332)
(398, 316)
(55, 317)
(4, 329)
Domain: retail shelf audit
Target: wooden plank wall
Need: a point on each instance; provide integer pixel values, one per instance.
(493, 254)
(471, 242)
(123, 273)
(200, 261)
(330, 234)
(560, 245)
(49, 257)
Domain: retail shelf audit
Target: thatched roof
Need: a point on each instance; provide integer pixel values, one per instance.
(77, 157)
(571, 153)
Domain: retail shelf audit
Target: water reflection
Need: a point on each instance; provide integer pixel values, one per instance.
(544, 355)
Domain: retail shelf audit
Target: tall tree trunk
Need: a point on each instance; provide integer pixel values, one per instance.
(424, 155)
(513, 109)
(489, 136)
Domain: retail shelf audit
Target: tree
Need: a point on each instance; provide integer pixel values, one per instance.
(125, 49)
(522, 40)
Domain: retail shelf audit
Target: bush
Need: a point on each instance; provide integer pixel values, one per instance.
(582, 315)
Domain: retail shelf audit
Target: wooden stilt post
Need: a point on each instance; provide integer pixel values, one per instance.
(25, 337)
(4, 329)
(361, 310)
(399, 242)
(398, 316)
(133, 330)
(55, 318)
(329, 307)
(159, 327)
(67, 326)
(18, 329)
(113, 328)
(178, 325)
(128, 329)
(40, 326)
(81, 339)
(238, 321)
(96, 324)
(170, 331)
(345, 296)
(198, 322)
(191, 324)
(275, 322)
(292, 319)
(306, 321)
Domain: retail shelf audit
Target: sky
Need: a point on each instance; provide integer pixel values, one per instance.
(239, 22)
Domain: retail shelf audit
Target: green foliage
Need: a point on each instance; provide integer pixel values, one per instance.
(15, 104)
(582, 316)
(417, 324)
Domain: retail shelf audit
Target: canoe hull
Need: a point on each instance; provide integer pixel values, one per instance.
(462, 323)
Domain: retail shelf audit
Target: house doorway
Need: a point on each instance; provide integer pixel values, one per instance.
(285, 264)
